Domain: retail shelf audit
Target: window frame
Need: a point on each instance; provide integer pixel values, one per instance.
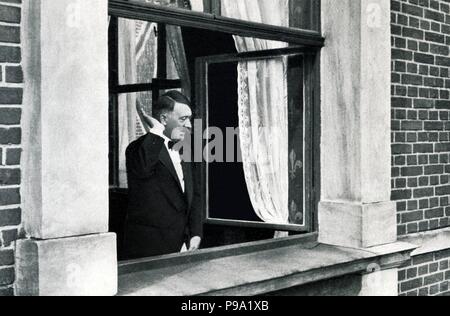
(310, 202)
(310, 40)
(181, 17)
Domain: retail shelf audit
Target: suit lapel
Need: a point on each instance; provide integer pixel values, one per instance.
(188, 185)
(164, 157)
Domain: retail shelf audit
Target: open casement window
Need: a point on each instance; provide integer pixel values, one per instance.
(217, 61)
(263, 175)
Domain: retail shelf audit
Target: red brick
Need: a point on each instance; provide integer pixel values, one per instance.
(402, 149)
(424, 291)
(424, 58)
(423, 192)
(11, 96)
(412, 10)
(6, 276)
(443, 190)
(10, 116)
(436, 16)
(10, 14)
(434, 290)
(442, 147)
(412, 125)
(10, 54)
(401, 195)
(443, 61)
(411, 285)
(400, 54)
(443, 104)
(413, 33)
(422, 259)
(10, 136)
(412, 217)
(424, 148)
(11, 217)
(423, 270)
(423, 103)
(14, 74)
(9, 197)
(9, 236)
(435, 278)
(411, 171)
(13, 156)
(445, 254)
(434, 213)
(9, 176)
(6, 257)
(9, 34)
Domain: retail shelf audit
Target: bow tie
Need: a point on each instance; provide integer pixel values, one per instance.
(171, 145)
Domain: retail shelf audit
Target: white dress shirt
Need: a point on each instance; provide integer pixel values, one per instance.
(158, 129)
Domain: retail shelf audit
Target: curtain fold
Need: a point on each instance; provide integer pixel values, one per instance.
(178, 53)
(263, 112)
(177, 50)
(127, 102)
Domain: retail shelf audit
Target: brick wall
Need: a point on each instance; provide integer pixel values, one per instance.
(421, 135)
(426, 275)
(421, 114)
(11, 86)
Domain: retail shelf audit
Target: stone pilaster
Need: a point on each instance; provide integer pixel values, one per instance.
(355, 208)
(65, 165)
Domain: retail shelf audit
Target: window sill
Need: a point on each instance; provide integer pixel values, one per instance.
(269, 267)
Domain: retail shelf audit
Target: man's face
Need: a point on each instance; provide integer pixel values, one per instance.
(178, 122)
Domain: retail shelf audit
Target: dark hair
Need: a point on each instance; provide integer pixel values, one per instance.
(166, 103)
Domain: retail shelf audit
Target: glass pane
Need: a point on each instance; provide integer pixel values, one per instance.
(147, 51)
(261, 103)
(141, 51)
(304, 14)
(130, 126)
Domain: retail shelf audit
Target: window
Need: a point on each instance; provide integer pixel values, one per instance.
(141, 68)
(259, 101)
(220, 65)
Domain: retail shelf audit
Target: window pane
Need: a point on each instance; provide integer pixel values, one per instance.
(130, 126)
(304, 14)
(147, 51)
(261, 101)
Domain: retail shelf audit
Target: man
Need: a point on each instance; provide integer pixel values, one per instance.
(164, 210)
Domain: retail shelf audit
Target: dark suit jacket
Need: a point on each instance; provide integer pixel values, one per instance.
(160, 216)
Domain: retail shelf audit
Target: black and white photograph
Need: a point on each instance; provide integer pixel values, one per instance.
(224, 153)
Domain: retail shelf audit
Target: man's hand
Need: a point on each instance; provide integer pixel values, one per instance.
(146, 120)
(195, 243)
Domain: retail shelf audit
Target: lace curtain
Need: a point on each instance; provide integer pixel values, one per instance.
(263, 112)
